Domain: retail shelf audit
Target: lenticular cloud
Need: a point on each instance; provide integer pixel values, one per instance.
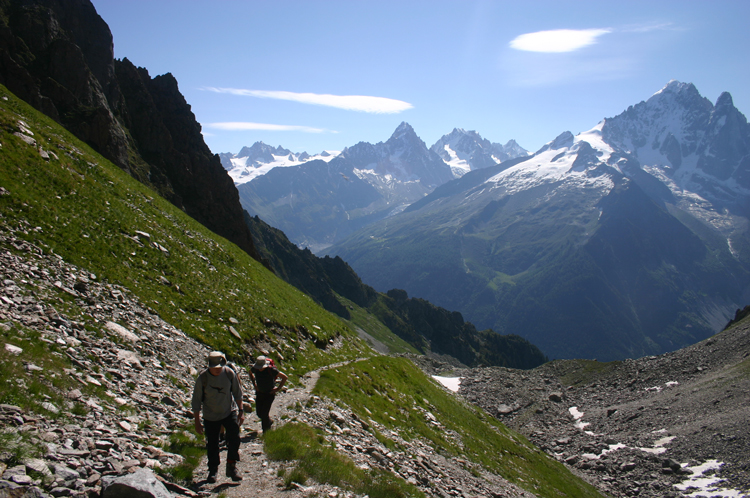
(245, 126)
(360, 103)
(558, 40)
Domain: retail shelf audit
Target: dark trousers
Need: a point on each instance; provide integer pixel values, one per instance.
(263, 402)
(212, 429)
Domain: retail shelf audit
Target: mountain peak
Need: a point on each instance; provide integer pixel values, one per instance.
(724, 101)
(677, 87)
(403, 129)
(564, 139)
(405, 136)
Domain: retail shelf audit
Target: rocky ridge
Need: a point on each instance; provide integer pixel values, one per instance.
(59, 57)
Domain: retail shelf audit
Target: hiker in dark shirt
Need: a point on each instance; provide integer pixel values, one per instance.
(264, 375)
(219, 393)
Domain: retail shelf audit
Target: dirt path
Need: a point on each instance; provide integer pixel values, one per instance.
(260, 479)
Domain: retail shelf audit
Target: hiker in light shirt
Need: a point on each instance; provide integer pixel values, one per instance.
(218, 393)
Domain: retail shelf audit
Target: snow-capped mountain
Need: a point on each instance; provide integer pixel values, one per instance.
(404, 157)
(679, 147)
(633, 236)
(691, 146)
(464, 151)
(252, 162)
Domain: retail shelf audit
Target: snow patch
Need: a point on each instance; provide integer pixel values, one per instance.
(451, 383)
(657, 389)
(556, 165)
(457, 161)
(707, 486)
(658, 447)
(577, 415)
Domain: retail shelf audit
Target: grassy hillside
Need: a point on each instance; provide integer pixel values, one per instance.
(81, 207)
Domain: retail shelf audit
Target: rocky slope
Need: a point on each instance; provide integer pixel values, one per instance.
(633, 428)
(140, 365)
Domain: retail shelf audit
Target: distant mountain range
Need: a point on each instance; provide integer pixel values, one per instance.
(252, 162)
(318, 200)
(627, 240)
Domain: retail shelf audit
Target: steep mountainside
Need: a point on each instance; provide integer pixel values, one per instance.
(58, 56)
(627, 252)
(691, 146)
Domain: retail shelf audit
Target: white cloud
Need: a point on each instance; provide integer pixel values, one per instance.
(558, 40)
(360, 103)
(245, 126)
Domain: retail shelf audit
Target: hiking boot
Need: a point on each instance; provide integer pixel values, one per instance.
(212, 476)
(232, 471)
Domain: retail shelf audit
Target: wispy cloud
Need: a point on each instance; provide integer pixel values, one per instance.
(647, 28)
(558, 40)
(360, 103)
(245, 126)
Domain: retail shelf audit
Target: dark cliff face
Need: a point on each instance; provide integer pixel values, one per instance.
(180, 164)
(58, 56)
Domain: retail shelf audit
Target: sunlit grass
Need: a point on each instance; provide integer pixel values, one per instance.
(313, 459)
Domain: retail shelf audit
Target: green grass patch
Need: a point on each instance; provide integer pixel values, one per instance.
(29, 389)
(18, 446)
(396, 394)
(185, 442)
(296, 442)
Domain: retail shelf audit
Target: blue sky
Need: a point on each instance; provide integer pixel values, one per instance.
(315, 75)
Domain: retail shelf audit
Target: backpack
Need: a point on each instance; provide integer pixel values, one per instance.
(234, 369)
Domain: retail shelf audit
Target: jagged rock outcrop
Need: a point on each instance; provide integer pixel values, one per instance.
(181, 166)
(58, 56)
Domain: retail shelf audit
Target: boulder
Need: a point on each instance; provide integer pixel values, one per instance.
(140, 484)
